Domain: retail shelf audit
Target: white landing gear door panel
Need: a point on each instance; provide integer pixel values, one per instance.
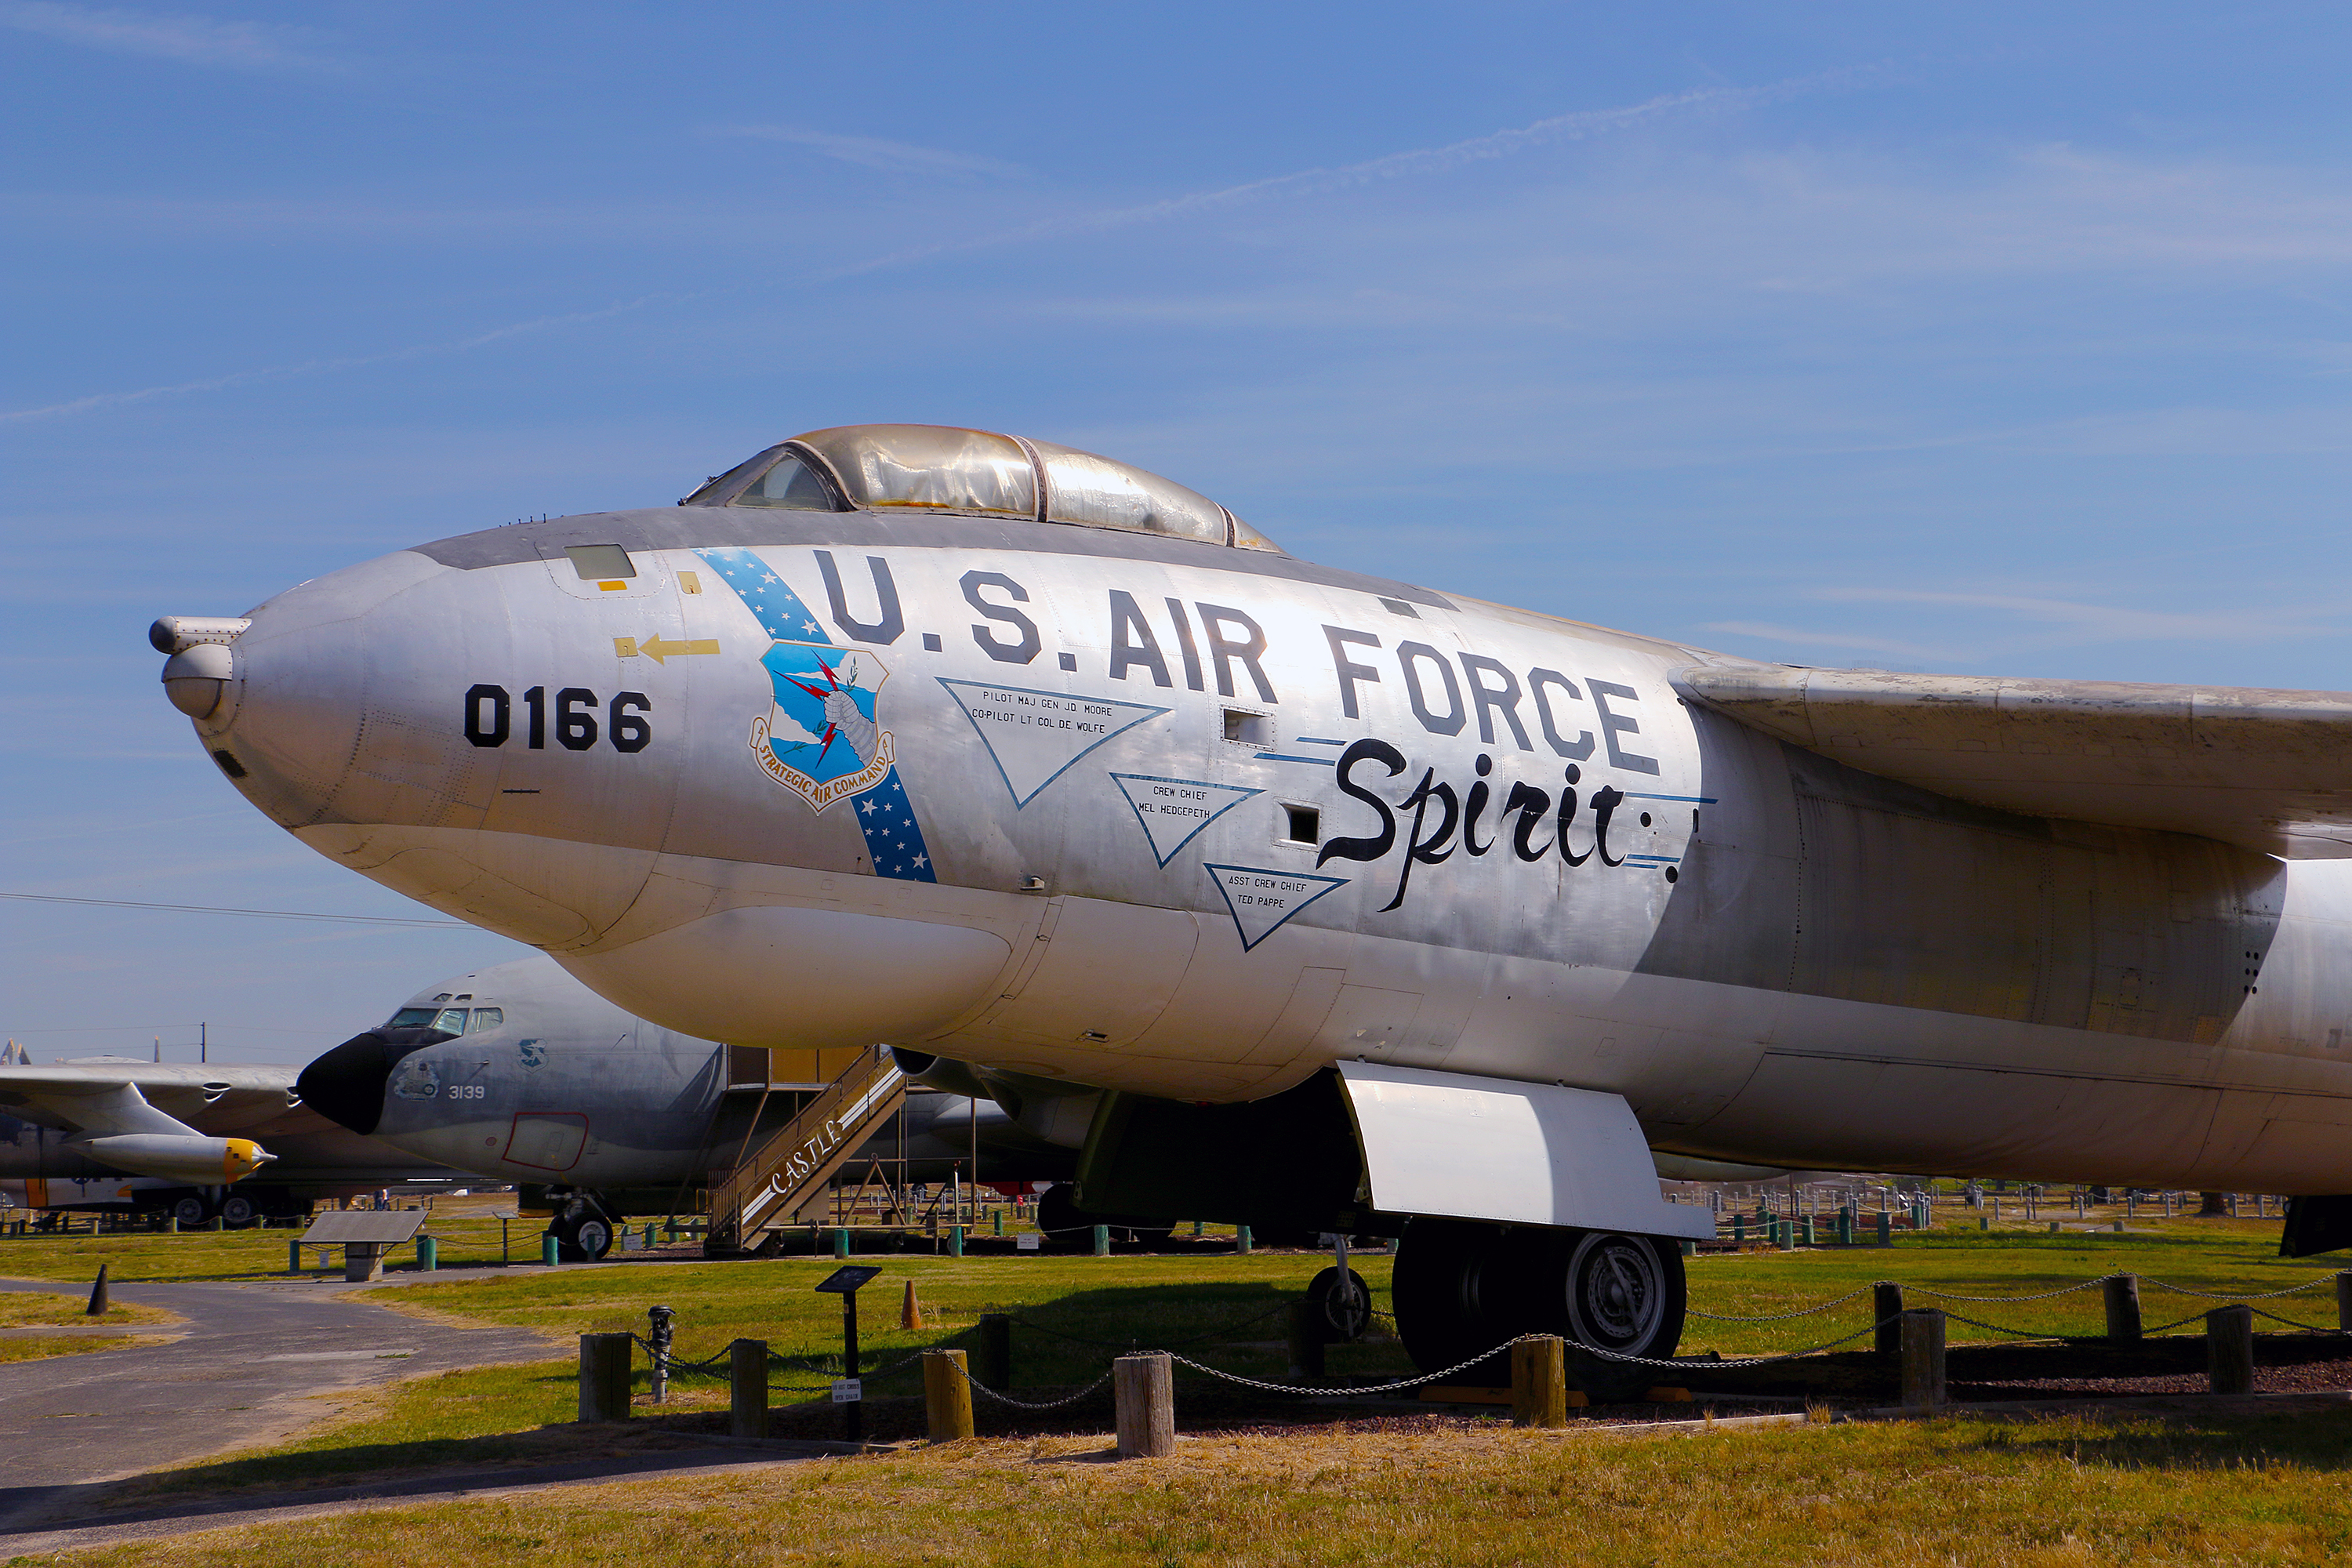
(1444, 1143)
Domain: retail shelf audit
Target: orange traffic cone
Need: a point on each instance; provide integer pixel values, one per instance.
(910, 1312)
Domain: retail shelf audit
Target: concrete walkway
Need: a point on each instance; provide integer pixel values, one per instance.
(239, 1372)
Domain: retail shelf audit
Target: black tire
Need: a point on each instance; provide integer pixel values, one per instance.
(1447, 1274)
(582, 1231)
(237, 1211)
(1343, 1311)
(1461, 1288)
(193, 1210)
(1622, 1293)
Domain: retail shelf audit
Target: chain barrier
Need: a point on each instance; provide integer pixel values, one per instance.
(983, 1388)
(2290, 1322)
(2044, 1296)
(2221, 1295)
(1776, 1317)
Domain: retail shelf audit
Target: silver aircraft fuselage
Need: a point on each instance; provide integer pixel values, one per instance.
(1195, 821)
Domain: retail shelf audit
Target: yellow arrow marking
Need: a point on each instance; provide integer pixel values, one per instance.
(660, 651)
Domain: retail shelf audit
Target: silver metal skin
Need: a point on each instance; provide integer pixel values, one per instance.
(1148, 811)
(557, 1087)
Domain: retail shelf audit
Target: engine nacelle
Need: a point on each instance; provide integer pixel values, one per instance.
(178, 1157)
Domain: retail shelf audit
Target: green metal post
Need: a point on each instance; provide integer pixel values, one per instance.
(1739, 1230)
(1845, 1226)
(1102, 1241)
(997, 1217)
(955, 1241)
(294, 1256)
(547, 1249)
(841, 1241)
(1241, 1238)
(428, 1255)
(1885, 1228)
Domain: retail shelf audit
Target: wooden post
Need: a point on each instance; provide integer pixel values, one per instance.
(747, 1388)
(1923, 1359)
(946, 1397)
(1539, 1381)
(605, 1376)
(2344, 1300)
(1885, 1308)
(1306, 1333)
(2122, 1308)
(992, 1357)
(1143, 1389)
(97, 1302)
(2229, 1349)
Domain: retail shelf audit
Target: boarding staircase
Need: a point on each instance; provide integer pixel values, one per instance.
(772, 1182)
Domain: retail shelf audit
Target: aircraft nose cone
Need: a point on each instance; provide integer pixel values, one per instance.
(283, 698)
(347, 1084)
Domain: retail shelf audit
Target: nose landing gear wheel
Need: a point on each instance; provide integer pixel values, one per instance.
(583, 1232)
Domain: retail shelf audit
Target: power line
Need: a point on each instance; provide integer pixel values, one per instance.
(248, 914)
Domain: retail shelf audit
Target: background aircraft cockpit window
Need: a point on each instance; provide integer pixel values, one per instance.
(486, 1018)
(791, 485)
(448, 1020)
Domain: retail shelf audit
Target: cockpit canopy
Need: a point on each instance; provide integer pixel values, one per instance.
(972, 473)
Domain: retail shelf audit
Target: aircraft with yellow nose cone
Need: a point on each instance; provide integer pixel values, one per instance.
(1353, 904)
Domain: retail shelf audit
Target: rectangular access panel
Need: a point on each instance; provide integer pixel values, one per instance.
(1495, 1149)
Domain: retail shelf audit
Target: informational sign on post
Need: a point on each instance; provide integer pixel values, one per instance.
(848, 1390)
(1026, 1241)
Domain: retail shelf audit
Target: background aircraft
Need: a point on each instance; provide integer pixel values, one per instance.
(521, 1074)
(1355, 904)
(191, 1140)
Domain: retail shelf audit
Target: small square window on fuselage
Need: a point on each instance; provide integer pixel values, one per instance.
(597, 562)
(1303, 824)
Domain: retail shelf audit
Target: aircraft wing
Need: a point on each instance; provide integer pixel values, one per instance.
(2266, 769)
(91, 1097)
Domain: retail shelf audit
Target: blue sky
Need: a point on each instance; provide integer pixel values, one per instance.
(2002, 338)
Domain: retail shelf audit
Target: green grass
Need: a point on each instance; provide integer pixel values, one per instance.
(1983, 1494)
(512, 1414)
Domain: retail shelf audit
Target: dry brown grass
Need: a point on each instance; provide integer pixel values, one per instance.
(2065, 1491)
(31, 1309)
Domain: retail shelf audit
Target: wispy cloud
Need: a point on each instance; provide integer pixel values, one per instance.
(1577, 126)
(873, 152)
(191, 40)
(348, 362)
